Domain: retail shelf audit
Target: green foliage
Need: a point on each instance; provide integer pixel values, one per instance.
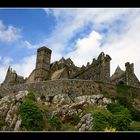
(105, 93)
(121, 121)
(121, 117)
(114, 107)
(135, 126)
(135, 114)
(125, 101)
(43, 98)
(101, 121)
(93, 108)
(68, 127)
(55, 122)
(31, 96)
(32, 118)
(75, 119)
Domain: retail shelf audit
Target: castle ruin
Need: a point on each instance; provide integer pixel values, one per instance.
(98, 70)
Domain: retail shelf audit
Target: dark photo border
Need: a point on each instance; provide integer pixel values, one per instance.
(69, 4)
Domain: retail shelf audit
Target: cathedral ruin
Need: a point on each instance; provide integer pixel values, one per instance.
(98, 70)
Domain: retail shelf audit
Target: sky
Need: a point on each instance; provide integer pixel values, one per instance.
(79, 33)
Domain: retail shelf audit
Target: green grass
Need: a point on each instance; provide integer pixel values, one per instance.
(135, 126)
(68, 127)
(91, 109)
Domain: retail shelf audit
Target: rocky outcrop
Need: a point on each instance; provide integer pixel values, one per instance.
(61, 105)
(85, 123)
(9, 111)
(67, 109)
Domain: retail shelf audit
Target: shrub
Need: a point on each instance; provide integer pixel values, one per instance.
(121, 117)
(32, 118)
(68, 127)
(135, 126)
(105, 93)
(101, 120)
(114, 107)
(135, 114)
(121, 121)
(125, 101)
(31, 96)
(55, 122)
(75, 119)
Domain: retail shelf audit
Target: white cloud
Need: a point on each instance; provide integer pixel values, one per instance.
(86, 49)
(9, 34)
(3, 71)
(121, 41)
(23, 68)
(4, 63)
(28, 45)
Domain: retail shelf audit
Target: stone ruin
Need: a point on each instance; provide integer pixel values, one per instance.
(98, 70)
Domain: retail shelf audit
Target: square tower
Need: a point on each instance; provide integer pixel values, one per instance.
(42, 64)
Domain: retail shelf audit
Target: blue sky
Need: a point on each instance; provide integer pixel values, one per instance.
(81, 34)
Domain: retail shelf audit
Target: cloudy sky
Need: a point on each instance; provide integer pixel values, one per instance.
(81, 34)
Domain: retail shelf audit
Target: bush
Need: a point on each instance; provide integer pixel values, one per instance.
(31, 96)
(32, 118)
(55, 122)
(125, 101)
(114, 107)
(101, 120)
(75, 119)
(121, 121)
(135, 114)
(135, 126)
(121, 117)
(68, 127)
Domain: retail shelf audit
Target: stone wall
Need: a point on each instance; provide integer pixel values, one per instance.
(98, 70)
(131, 78)
(127, 77)
(72, 87)
(52, 87)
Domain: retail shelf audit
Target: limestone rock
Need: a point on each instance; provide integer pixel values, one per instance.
(9, 106)
(61, 99)
(85, 123)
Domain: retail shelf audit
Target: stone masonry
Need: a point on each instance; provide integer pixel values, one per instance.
(64, 69)
(127, 77)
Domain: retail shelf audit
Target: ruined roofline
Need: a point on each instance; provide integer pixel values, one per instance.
(98, 69)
